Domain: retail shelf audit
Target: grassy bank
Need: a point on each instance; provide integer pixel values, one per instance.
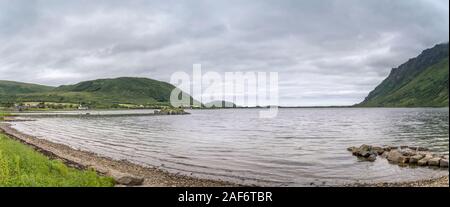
(20, 165)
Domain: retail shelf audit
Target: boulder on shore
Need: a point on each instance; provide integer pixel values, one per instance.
(170, 111)
(372, 158)
(378, 150)
(424, 161)
(366, 151)
(434, 161)
(396, 156)
(414, 159)
(385, 154)
(126, 179)
(401, 155)
(443, 163)
(129, 180)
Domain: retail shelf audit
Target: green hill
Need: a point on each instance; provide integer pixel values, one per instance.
(121, 90)
(102, 93)
(420, 82)
(13, 88)
(10, 90)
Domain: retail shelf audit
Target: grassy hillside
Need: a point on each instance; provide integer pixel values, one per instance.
(10, 90)
(420, 82)
(146, 90)
(102, 93)
(13, 88)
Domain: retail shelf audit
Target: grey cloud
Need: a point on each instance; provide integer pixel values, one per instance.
(327, 52)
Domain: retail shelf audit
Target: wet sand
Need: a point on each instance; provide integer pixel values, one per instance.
(151, 176)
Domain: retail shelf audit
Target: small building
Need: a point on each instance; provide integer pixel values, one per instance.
(81, 107)
(21, 107)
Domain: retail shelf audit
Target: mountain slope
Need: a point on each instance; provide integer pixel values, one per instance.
(420, 82)
(102, 93)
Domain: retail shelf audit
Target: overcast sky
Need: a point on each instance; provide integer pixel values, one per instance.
(327, 52)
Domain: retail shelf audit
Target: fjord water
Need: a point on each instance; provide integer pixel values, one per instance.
(300, 147)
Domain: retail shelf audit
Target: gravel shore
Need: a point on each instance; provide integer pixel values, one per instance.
(118, 169)
(437, 182)
(150, 176)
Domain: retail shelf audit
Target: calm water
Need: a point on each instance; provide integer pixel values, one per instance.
(299, 147)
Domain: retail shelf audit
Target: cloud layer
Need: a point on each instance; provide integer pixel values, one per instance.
(327, 52)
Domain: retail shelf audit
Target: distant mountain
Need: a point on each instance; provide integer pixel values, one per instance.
(102, 93)
(420, 82)
(220, 104)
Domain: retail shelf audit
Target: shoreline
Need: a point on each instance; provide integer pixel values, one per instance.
(434, 182)
(121, 170)
(138, 175)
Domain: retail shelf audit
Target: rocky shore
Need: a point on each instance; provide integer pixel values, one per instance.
(436, 182)
(403, 155)
(170, 111)
(123, 172)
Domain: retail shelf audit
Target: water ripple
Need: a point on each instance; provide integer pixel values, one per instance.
(299, 147)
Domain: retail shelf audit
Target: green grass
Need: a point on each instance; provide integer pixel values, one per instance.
(21, 166)
(3, 115)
